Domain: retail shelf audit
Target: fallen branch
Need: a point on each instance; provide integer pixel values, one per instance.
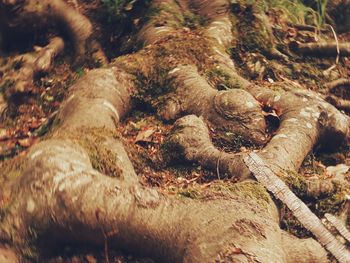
(309, 220)
(339, 226)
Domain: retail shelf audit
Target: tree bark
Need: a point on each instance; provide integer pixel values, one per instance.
(59, 194)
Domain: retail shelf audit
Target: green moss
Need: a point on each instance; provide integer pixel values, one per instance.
(231, 142)
(94, 141)
(326, 202)
(333, 203)
(11, 169)
(193, 21)
(165, 15)
(222, 80)
(172, 152)
(252, 190)
(222, 189)
(120, 8)
(190, 193)
(152, 64)
(291, 224)
(254, 32)
(296, 183)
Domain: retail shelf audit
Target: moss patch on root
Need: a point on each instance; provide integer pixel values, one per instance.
(252, 190)
(296, 183)
(152, 64)
(247, 189)
(254, 33)
(95, 141)
(335, 202)
(221, 80)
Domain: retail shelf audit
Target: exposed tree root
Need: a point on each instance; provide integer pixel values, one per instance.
(235, 110)
(334, 98)
(190, 140)
(66, 187)
(58, 191)
(321, 49)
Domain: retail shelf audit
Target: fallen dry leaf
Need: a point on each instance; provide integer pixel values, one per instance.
(145, 136)
(3, 134)
(27, 142)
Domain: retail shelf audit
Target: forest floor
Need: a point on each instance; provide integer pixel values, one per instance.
(28, 118)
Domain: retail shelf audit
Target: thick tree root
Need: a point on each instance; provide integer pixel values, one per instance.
(59, 190)
(321, 49)
(190, 140)
(234, 110)
(333, 98)
(63, 190)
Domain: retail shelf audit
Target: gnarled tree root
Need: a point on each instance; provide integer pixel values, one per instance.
(61, 194)
(59, 190)
(190, 140)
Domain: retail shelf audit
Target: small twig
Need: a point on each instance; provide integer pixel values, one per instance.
(337, 43)
(306, 27)
(218, 166)
(326, 71)
(106, 247)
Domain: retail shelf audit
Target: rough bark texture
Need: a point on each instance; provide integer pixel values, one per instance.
(58, 192)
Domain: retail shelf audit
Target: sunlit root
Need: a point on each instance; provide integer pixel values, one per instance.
(321, 49)
(305, 120)
(233, 110)
(190, 140)
(60, 192)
